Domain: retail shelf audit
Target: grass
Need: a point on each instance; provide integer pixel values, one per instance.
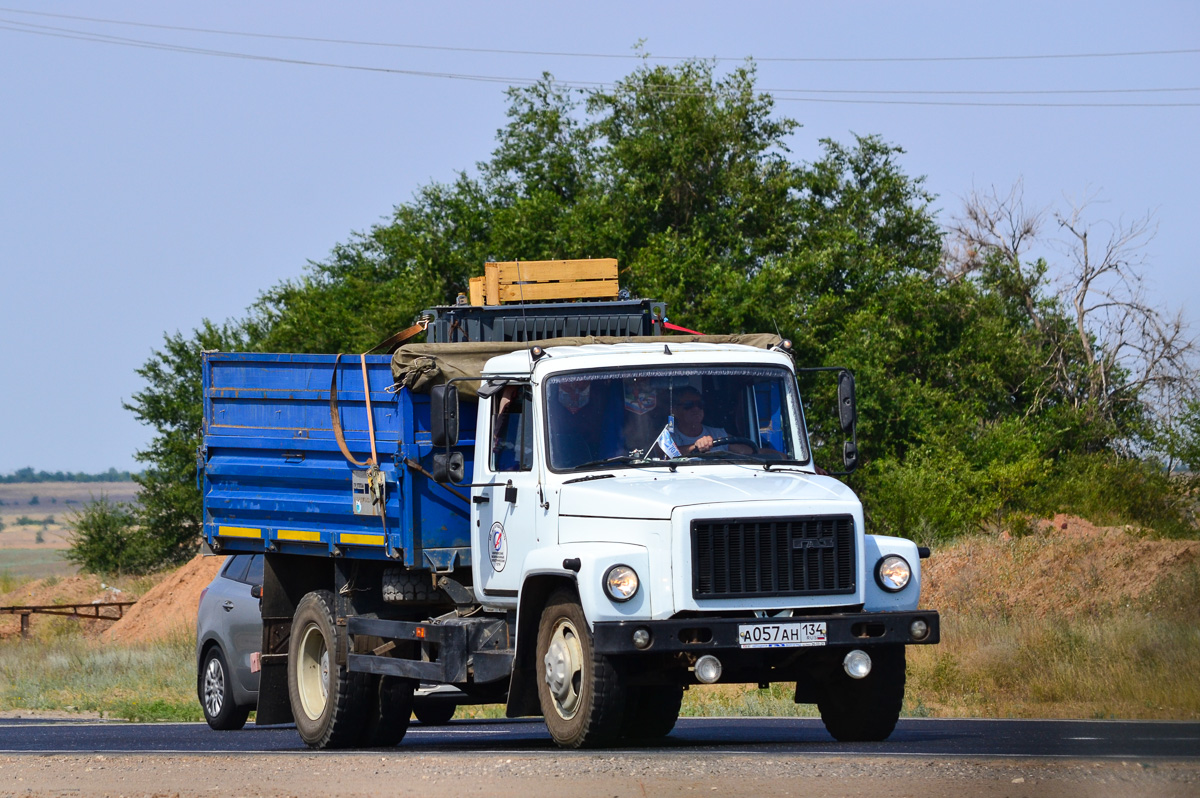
(23, 565)
(63, 670)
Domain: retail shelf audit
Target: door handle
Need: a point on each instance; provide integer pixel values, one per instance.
(228, 605)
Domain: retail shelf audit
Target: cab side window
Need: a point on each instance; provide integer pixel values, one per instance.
(512, 429)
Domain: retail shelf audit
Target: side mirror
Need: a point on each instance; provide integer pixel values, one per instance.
(256, 592)
(847, 411)
(443, 415)
(448, 467)
(850, 455)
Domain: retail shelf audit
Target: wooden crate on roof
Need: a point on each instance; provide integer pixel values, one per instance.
(538, 280)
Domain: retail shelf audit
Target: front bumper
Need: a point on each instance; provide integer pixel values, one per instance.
(705, 635)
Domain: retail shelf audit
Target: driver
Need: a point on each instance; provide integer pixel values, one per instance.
(691, 434)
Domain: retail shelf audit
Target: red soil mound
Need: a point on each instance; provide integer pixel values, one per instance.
(168, 608)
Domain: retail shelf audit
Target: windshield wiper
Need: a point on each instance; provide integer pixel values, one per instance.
(776, 464)
(621, 459)
(588, 478)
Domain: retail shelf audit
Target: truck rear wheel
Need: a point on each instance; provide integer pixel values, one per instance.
(651, 711)
(865, 710)
(328, 702)
(580, 691)
(389, 708)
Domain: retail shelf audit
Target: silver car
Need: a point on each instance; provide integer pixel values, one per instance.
(228, 633)
(229, 636)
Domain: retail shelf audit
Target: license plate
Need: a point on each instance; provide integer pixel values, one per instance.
(781, 635)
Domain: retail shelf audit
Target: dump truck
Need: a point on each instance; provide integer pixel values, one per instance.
(558, 508)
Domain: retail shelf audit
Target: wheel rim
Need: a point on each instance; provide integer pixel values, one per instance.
(312, 673)
(214, 687)
(564, 668)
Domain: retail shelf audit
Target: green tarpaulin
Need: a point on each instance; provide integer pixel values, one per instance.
(419, 367)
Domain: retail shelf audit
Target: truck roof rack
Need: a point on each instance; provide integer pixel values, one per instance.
(459, 323)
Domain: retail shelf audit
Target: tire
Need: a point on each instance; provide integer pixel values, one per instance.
(434, 713)
(328, 702)
(651, 711)
(215, 690)
(865, 710)
(581, 693)
(389, 710)
(401, 585)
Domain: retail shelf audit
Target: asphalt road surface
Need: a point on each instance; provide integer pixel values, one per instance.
(1091, 740)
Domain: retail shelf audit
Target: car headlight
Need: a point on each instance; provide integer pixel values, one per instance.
(620, 583)
(893, 572)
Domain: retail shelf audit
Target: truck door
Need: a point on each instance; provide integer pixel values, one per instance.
(508, 509)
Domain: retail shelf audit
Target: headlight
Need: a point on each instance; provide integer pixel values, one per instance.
(620, 583)
(892, 573)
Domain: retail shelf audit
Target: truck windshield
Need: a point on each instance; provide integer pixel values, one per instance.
(614, 417)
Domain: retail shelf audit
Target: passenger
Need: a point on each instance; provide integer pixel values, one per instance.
(575, 424)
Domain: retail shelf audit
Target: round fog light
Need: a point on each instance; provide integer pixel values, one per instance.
(708, 669)
(918, 629)
(641, 638)
(857, 664)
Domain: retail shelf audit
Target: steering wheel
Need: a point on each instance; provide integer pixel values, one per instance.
(728, 439)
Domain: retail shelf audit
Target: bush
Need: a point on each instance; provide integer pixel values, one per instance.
(105, 539)
(1111, 490)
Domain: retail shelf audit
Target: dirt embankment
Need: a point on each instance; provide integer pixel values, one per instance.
(1069, 568)
(79, 589)
(162, 609)
(169, 607)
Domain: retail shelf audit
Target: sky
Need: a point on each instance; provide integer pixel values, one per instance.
(156, 174)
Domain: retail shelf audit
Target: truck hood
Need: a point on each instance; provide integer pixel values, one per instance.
(641, 494)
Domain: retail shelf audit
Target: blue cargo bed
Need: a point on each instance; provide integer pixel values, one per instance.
(275, 480)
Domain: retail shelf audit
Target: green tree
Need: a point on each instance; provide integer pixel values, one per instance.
(965, 374)
(105, 539)
(169, 515)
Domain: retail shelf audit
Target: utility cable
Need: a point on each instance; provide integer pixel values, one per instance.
(65, 33)
(639, 56)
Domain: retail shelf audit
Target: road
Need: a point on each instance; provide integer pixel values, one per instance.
(764, 756)
(765, 736)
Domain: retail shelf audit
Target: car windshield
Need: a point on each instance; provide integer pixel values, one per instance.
(629, 418)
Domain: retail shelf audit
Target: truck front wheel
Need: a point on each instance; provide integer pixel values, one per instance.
(865, 710)
(580, 691)
(651, 711)
(328, 702)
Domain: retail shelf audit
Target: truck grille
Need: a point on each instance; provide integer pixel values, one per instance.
(747, 557)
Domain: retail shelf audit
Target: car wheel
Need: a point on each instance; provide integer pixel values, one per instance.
(434, 713)
(216, 694)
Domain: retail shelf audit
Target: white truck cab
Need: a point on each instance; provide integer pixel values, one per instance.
(666, 495)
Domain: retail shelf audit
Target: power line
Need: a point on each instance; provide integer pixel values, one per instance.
(544, 53)
(778, 94)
